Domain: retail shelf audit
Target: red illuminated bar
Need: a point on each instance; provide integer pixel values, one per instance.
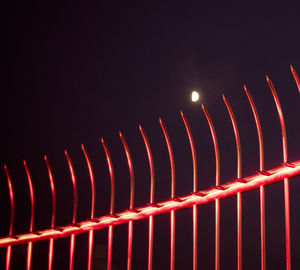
(12, 215)
(91, 232)
(251, 182)
(261, 188)
(239, 175)
(172, 218)
(286, 181)
(194, 158)
(51, 242)
(72, 239)
(29, 247)
(131, 202)
(112, 202)
(217, 208)
(151, 201)
(296, 78)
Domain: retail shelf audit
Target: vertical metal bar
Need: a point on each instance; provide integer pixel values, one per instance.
(131, 203)
(150, 244)
(110, 244)
(172, 264)
(53, 196)
(172, 217)
(90, 254)
(152, 183)
(261, 189)
(129, 254)
(239, 175)
(32, 203)
(12, 215)
(91, 232)
(296, 78)
(72, 250)
(217, 234)
(112, 202)
(194, 157)
(217, 205)
(286, 182)
(72, 239)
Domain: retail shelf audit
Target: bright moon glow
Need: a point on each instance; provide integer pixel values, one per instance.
(195, 96)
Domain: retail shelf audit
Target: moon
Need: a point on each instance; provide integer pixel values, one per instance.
(195, 96)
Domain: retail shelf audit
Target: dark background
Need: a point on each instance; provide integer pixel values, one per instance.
(72, 74)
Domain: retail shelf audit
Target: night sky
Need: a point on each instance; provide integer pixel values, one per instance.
(72, 74)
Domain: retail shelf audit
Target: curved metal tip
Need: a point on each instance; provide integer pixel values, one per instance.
(82, 146)
(193, 151)
(120, 134)
(247, 92)
(66, 152)
(226, 102)
(102, 140)
(268, 79)
(140, 127)
(296, 78)
(24, 163)
(159, 119)
(181, 112)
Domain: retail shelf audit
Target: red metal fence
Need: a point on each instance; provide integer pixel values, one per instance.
(214, 194)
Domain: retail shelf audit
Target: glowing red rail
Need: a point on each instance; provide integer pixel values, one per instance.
(201, 197)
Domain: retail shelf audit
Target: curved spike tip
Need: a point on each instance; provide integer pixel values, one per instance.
(296, 78)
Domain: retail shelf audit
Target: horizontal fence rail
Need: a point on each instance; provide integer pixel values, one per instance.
(287, 170)
(233, 187)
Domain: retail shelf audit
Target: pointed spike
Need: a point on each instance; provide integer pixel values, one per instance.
(194, 159)
(286, 183)
(296, 78)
